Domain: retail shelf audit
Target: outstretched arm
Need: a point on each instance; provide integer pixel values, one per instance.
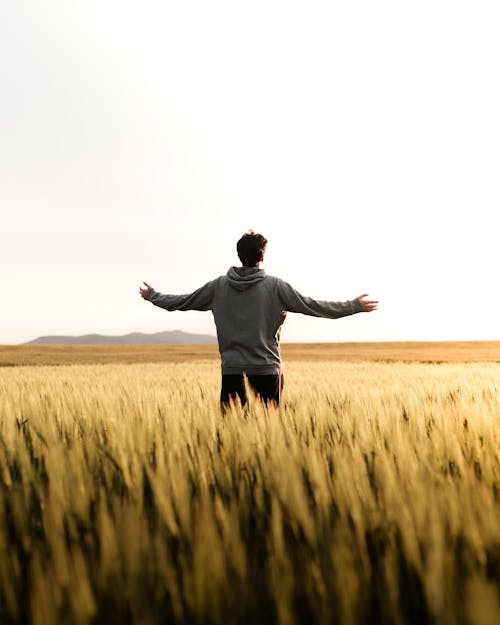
(201, 299)
(293, 301)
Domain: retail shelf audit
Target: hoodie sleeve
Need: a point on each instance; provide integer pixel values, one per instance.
(293, 301)
(201, 299)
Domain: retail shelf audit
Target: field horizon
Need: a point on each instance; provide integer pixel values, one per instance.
(384, 351)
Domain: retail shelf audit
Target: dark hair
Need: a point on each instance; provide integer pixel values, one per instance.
(250, 248)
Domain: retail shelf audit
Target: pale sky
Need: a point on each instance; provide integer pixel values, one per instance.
(139, 140)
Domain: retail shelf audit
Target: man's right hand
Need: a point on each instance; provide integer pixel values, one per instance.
(367, 305)
(145, 290)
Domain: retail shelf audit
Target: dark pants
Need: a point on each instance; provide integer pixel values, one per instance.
(267, 387)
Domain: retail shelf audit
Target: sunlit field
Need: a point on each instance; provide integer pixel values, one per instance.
(372, 496)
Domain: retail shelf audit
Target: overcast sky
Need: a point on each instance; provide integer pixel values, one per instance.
(139, 140)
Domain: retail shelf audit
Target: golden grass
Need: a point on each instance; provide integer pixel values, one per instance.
(372, 496)
(462, 351)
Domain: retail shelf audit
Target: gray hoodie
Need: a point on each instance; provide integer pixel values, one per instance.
(249, 308)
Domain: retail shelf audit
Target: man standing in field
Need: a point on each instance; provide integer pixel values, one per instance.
(249, 308)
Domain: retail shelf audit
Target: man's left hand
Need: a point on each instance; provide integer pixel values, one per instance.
(145, 290)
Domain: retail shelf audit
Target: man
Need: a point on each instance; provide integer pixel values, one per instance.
(249, 308)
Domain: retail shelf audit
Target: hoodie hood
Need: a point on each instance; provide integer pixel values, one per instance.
(242, 278)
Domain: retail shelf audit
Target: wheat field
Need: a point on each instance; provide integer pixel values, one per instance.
(372, 496)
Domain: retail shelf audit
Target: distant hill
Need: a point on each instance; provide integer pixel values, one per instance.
(172, 337)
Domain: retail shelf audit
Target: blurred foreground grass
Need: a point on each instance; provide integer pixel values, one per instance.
(372, 496)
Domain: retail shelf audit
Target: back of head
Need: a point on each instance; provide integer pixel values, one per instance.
(251, 248)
